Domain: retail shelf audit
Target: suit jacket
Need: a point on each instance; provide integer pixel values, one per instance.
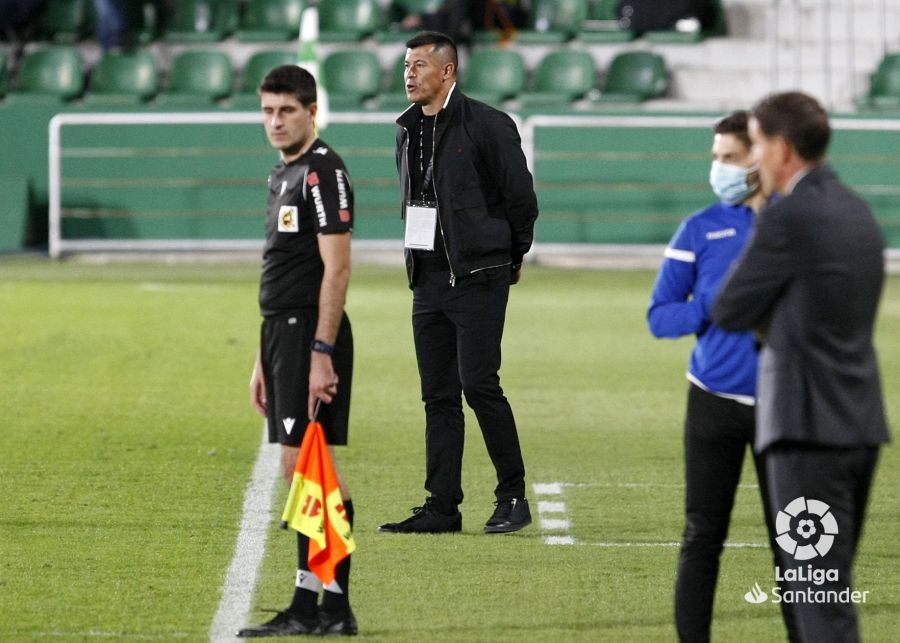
(809, 282)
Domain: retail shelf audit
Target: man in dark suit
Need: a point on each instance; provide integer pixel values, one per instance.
(809, 283)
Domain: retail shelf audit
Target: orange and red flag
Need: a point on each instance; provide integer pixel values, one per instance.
(314, 506)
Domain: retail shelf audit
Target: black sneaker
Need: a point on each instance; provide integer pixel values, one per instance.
(425, 520)
(343, 624)
(511, 514)
(284, 624)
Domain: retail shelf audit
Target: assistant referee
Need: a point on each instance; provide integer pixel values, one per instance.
(306, 347)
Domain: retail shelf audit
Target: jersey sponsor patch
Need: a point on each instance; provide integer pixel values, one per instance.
(312, 178)
(721, 234)
(288, 219)
(320, 205)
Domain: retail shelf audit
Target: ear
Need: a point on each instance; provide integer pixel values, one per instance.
(313, 110)
(448, 71)
(785, 149)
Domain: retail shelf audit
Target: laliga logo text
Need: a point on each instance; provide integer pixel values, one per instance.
(805, 528)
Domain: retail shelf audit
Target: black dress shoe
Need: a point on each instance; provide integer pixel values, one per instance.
(284, 624)
(343, 624)
(510, 514)
(425, 520)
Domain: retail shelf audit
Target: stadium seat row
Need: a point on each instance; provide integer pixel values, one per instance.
(352, 77)
(884, 85)
(550, 21)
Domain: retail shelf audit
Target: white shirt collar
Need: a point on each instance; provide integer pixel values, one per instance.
(801, 173)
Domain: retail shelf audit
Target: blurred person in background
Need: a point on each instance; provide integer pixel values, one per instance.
(809, 284)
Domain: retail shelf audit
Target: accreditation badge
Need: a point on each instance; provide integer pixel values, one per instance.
(288, 219)
(421, 223)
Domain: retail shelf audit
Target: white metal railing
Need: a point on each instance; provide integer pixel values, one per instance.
(800, 29)
(527, 127)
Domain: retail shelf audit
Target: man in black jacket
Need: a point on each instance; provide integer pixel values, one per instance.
(809, 283)
(469, 206)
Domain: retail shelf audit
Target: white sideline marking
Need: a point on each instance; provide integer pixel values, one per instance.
(554, 524)
(553, 507)
(548, 507)
(548, 488)
(639, 485)
(240, 581)
(129, 636)
(672, 544)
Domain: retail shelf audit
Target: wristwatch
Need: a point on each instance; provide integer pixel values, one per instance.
(318, 346)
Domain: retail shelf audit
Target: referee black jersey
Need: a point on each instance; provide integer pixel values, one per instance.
(310, 196)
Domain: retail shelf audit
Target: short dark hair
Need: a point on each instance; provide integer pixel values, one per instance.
(735, 124)
(799, 119)
(293, 80)
(440, 41)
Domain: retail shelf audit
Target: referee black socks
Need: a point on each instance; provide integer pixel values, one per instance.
(307, 586)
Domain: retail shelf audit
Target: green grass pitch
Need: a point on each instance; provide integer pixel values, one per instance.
(127, 441)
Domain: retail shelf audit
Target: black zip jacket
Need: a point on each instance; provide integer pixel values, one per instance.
(485, 193)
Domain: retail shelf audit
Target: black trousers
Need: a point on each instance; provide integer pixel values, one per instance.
(841, 478)
(457, 331)
(717, 433)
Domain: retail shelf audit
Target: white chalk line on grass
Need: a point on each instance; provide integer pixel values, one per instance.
(559, 521)
(99, 634)
(240, 581)
(552, 514)
(639, 485)
(669, 544)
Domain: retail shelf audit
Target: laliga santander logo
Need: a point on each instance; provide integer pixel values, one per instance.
(805, 528)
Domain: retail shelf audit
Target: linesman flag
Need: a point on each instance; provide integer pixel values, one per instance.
(314, 506)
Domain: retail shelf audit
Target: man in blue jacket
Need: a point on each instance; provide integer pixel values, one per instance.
(469, 206)
(720, 409)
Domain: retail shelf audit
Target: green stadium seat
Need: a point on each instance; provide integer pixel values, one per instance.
(201, 20)
(716, 27)
(351, 77)
(144, 21)
(553, 21)
(884, 85)
(602, 24)
(55, 72)
(64, 21)
(347, 20)
(123, 78)
(199, 77)
(393, 97)
(270, 20)
(259, 64)
(635, 76)
(561, 77)
(494, 75)
(396, 10)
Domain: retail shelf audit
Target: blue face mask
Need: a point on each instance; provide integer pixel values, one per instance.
(732, 183)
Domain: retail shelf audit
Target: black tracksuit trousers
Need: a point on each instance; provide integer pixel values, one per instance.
(457, 331)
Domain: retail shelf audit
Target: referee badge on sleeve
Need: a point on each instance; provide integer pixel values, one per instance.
(288, 221)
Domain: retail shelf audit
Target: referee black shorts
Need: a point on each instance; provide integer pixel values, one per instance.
(285, 359)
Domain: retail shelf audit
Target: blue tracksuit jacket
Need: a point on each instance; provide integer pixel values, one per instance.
(696, 261)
